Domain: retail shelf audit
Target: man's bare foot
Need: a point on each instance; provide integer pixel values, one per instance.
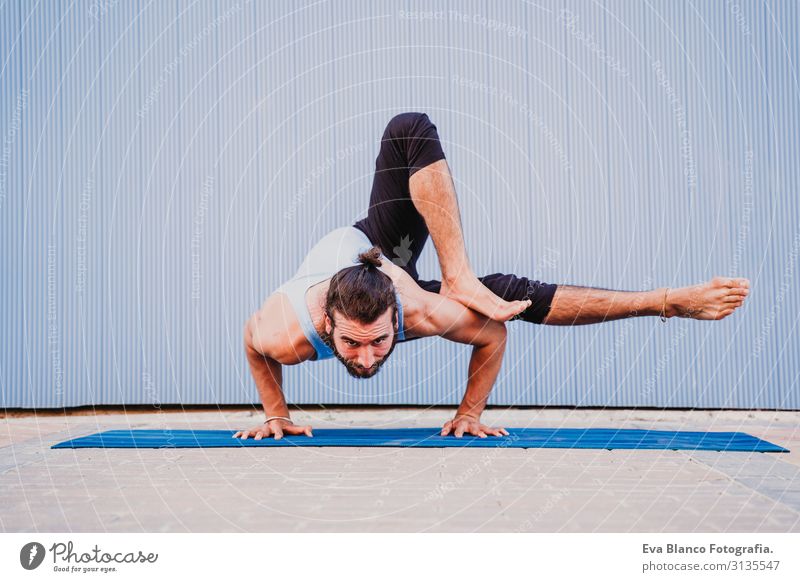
(714, 299)
(475, 295)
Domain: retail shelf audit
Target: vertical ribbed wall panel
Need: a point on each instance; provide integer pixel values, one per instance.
(166, 165)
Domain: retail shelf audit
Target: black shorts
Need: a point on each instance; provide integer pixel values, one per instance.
(409, 143)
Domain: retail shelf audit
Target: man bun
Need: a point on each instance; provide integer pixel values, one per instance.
(372, 257)
(362, 292)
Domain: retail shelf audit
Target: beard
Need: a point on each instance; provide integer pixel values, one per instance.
(352, 367)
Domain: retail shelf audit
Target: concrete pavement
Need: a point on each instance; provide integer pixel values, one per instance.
(398, 490)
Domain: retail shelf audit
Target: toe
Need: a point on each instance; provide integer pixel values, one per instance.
(731, 282)
(725, 313)
(738, 283)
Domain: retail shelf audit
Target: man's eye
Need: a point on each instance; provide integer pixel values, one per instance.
(351, 343)
(379, 340)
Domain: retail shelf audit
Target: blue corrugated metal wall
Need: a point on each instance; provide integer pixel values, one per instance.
(166, 165)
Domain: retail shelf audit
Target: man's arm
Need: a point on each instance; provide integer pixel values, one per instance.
(267, 370)
(267, 374)
(451, 320)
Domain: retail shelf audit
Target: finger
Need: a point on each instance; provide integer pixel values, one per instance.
(236, 436)
(278, 433)
(481, 434)
(459, 431)
(503, 431)
(308, 432)
(272, 428)
(446, 428)
(259, 435)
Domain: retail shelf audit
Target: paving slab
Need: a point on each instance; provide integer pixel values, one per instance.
(398, 490)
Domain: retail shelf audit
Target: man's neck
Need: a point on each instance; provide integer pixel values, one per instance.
(315, 301)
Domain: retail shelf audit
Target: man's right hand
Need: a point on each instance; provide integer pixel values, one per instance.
(277, 428)
(469, 425)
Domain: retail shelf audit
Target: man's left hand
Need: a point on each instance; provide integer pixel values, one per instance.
(461, 425)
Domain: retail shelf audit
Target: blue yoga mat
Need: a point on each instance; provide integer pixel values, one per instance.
(526, 438)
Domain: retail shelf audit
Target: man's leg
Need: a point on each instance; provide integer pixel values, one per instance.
(434, 195)
(393, 222)
(572, 305)
(714, 299)
(413, 196)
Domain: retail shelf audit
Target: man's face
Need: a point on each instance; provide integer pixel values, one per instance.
(361, 347)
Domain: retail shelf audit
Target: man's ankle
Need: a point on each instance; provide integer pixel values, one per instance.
(671, 307)
(459, 279)
(656, 305)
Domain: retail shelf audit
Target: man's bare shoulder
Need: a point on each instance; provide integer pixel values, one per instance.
(427, 314)
(275, 331)
(418, 304)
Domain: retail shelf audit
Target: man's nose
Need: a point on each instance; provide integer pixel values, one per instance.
(367, 359)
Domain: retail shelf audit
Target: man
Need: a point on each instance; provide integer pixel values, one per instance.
(349, 300)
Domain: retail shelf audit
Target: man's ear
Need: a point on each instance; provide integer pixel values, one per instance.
(328, 325)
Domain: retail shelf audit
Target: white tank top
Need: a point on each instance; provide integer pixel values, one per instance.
(337, 250)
